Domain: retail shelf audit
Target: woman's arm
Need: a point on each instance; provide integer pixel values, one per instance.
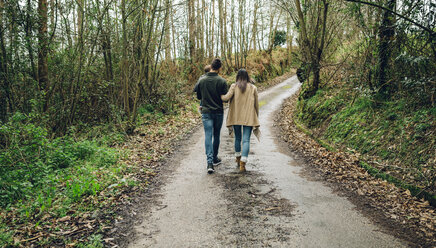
(256, 101)
(229, 94)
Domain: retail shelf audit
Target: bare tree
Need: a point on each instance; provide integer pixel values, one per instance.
(313, 24)
(42, 45)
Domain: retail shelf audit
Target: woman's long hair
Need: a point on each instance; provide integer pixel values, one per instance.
(242, 79)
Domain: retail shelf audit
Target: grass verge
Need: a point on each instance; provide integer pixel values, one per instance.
(396, 139)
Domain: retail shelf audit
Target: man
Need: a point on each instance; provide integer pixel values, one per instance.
(209, 91)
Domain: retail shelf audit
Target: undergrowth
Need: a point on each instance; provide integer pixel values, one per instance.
(42, 176)
(398, 135)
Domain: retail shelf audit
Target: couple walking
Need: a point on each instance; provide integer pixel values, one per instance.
(242, 118)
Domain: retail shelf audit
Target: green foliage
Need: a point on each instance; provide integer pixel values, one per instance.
(31, 163)
(316, 110)
(409, 58)
(418, 77)
(94, 241)
(5, 236)
(377, 131)
(396, 130)
(279, 38)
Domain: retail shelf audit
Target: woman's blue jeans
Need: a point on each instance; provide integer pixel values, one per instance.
(212, 127)
(242, 133)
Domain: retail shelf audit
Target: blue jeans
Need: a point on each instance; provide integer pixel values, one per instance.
(244, 137)
(212, 128)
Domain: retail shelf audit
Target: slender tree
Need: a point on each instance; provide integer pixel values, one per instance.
(3, 69)
(386, 34)
(167, 30)
(42, 45)
(191, 28)
(124, 62)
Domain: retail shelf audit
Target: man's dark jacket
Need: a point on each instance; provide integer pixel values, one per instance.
(210, 89)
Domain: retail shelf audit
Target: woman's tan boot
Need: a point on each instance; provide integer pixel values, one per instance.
(242, 166)
(238, 160)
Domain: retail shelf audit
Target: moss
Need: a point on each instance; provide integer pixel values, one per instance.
(397, 132)
(317, 109)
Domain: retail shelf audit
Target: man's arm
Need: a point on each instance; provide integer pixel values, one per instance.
(196, 86)
(197, 89)
(198, 82)
(224, 87)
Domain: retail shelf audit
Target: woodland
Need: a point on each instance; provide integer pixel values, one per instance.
(79, 78)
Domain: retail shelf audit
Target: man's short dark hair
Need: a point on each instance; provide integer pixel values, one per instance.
(216, 64)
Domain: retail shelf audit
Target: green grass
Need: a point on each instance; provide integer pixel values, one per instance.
(395, 132)
(391, 132)
(95, 241)
(314, 111)
(40, 176)
(5, 235)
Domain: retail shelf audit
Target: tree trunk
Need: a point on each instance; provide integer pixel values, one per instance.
(28, 30)
(167, 31)
(124, 65)
(386, 34)
(221, 28)
(80, 8)
(174, 35)
(199, 32)
(4, 90)
(241, 33)
(316, 66)
(106, 42)
(42, 45)
(303, 33)
(212, 30)
(232, 36)
(288, 41)
(312, 49)
(191, 28)
(271, 29)
(203, 29)
(254, 31)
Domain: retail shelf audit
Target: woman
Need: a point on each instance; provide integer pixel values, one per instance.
(243, 115)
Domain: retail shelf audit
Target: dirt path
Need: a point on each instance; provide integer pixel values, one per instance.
(272, 205)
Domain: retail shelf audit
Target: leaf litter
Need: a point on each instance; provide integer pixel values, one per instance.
(414, 217)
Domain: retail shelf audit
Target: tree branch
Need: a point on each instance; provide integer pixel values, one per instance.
(432, 33)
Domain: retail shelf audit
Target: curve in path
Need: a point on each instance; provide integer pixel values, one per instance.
(272, 205)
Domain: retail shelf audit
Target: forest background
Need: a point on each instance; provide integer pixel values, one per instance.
(80, 77)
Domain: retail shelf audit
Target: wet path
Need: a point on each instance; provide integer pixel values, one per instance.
(271, 205)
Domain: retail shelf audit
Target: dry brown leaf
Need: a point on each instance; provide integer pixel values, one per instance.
(65, 218)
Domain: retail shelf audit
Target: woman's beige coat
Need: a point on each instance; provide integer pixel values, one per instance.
(243, 107)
